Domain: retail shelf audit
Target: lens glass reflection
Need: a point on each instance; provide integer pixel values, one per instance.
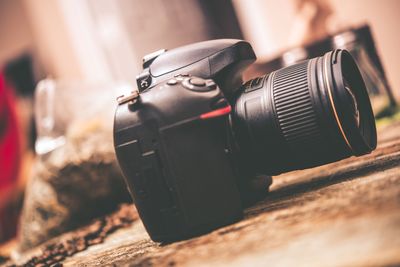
(353, 106)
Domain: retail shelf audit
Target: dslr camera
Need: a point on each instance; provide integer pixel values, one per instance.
(193, 140)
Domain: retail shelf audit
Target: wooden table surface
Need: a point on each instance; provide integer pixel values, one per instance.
(342, 214)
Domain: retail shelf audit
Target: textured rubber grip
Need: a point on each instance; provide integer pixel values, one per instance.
(293, 105)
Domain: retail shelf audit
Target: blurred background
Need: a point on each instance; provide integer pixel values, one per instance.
(106, 39)
(103, 41)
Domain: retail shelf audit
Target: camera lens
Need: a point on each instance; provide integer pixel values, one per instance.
(315, 112)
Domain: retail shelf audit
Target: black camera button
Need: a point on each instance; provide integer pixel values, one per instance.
(144, 80)
(197, 82)
(182, 75)
(172, 82)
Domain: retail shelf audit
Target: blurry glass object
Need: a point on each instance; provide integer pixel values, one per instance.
(360, 43)
(310, 22)
(75, 176)
(273, 27)
(376, 84)
(50, 134)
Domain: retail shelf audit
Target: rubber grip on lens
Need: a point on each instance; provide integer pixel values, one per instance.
(293, 105)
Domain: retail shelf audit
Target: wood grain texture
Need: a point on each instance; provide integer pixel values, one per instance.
(342, 214)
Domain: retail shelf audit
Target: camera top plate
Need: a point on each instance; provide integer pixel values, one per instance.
(223, 60)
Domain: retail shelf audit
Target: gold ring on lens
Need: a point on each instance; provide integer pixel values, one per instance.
(326, 80)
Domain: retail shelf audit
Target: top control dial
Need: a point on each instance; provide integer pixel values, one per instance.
(199, 84)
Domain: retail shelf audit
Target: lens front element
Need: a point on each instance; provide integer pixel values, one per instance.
(354, 106)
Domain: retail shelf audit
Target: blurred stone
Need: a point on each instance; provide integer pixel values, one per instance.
(70, 186)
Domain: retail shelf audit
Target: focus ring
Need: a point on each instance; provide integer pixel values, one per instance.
(293, 106)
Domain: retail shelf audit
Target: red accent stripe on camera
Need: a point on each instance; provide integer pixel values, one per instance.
(216, 113)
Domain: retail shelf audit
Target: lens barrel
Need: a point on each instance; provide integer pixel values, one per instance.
(312, 113)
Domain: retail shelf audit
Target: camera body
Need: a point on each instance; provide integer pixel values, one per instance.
(195, 149)
(171, 143)
(222, 60)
